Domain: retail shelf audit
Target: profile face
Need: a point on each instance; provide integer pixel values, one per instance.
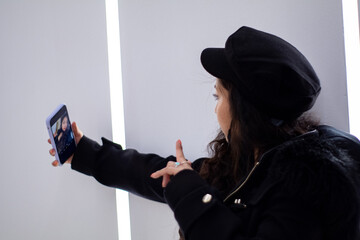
(64, 123)
(222, 108)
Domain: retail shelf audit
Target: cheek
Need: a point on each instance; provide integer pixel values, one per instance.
(218, 110)
(224, 118)
(221, 116)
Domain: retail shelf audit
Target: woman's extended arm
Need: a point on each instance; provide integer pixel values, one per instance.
(115, 167)
(125, 169)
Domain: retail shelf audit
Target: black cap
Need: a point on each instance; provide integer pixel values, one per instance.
(268, 72)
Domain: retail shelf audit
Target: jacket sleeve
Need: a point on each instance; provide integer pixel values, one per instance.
(125, 169)
(202, 215)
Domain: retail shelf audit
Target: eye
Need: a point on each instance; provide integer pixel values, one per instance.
(216, 97)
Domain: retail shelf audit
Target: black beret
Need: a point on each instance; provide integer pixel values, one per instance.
(267, 71)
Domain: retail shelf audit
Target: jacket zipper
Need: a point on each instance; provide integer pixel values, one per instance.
(257, 164)
(243, 183)
(248, 176)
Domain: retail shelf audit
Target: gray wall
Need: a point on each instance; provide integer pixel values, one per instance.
(55, 51)
(168, 94)
(52, 52)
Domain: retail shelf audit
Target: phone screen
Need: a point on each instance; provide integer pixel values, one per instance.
(63, 134)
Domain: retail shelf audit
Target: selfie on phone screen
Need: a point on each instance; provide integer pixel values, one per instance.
(63, 135)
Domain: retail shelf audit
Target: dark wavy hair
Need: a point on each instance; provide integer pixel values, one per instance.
(252, 133)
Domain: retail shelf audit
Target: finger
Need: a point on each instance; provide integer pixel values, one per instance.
(52, 152)
(166, 180)
(55, 163)
(157, 174)
(179, 152)
(49, 141)
(162, 172)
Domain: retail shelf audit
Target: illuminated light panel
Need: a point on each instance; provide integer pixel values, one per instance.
(117, 108)
(352, 57)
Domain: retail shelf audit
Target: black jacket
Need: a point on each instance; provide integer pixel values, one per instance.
(306, 188)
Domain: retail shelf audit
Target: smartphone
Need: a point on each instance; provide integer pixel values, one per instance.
(61, 134)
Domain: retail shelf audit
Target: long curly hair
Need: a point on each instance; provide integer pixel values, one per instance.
(252, 133)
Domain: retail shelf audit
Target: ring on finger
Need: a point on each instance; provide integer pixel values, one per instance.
(179, 163)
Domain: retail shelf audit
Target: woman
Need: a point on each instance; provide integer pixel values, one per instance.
(274, 173)
(63, 135)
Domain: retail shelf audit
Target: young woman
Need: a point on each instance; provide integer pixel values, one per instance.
(274, 172)
(63, 136)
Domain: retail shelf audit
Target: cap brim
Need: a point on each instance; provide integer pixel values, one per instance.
(215, 62)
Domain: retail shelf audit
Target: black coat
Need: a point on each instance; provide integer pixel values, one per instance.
(306, 188)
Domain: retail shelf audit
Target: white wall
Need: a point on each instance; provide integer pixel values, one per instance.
(52, 52)
(168, 94)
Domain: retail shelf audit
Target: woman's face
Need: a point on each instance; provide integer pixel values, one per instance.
(222, 108)
(64, 123)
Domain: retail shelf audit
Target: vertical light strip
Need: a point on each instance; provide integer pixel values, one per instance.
(352, 53)
(117, 107)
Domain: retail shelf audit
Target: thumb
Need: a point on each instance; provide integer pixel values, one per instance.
(77, 132)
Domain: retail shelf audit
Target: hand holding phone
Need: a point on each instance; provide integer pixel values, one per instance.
(77, 134)
(61, 134)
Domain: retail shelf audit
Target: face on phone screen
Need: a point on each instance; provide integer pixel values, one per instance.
(63, 137)
(61, 134)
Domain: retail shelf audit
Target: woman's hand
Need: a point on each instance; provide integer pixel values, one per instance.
(173, 168)
(77, 135)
